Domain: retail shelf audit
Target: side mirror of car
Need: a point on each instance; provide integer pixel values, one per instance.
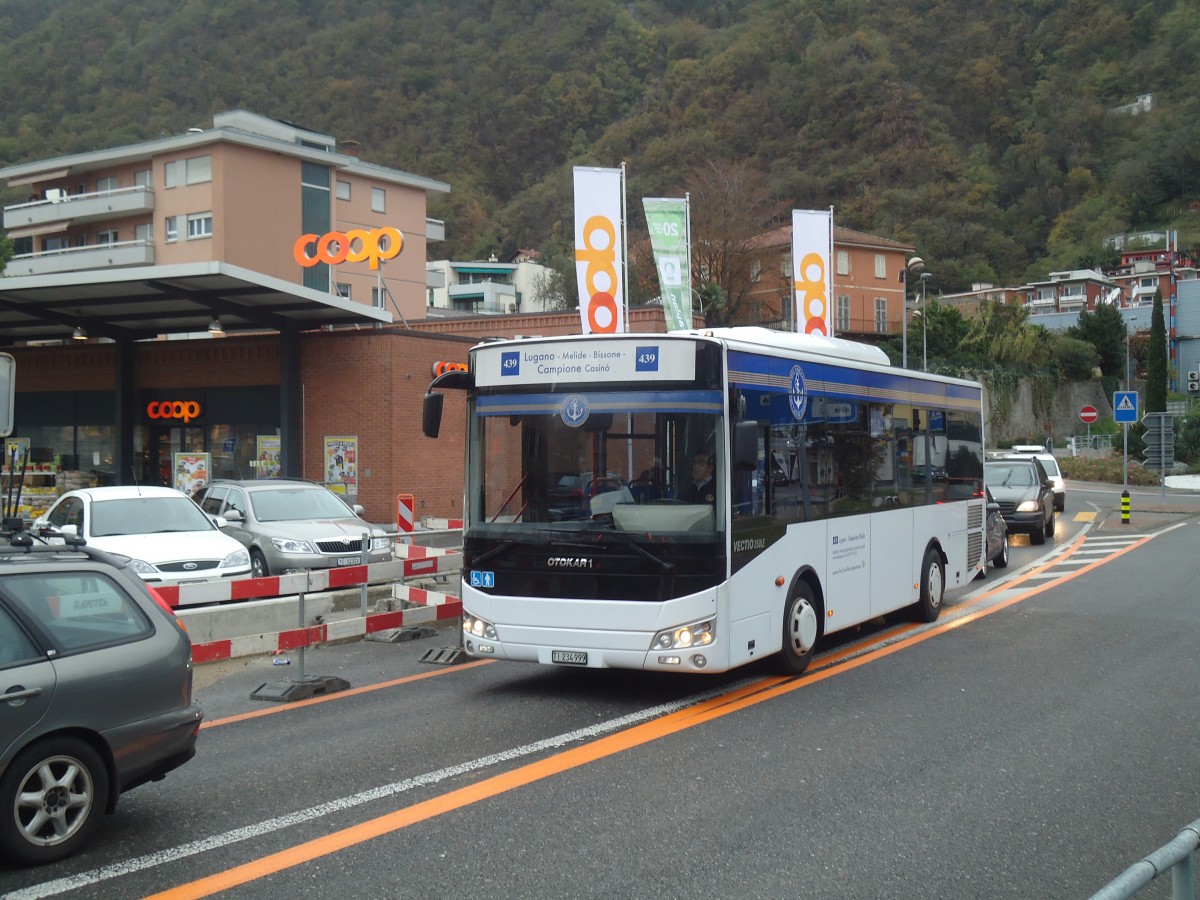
(219, 521)
(993, 507)
(231, 515)
(359, 509)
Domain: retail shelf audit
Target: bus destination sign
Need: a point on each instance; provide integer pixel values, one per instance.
(574, 362)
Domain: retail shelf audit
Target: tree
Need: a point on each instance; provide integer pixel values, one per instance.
(1104, 329)
(1156, 360)
(729, 204)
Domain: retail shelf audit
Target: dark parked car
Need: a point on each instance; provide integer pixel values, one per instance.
(1026, 498)
(290, 525)
(95, 694)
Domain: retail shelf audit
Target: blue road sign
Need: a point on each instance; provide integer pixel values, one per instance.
(1125, 407)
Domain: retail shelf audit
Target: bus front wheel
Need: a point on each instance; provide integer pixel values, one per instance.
(933, 586)
(801, 627)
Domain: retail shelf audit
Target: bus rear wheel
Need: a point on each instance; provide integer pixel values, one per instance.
(933, 587)
(801, 628)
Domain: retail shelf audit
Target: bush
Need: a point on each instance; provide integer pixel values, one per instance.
(1106, 469)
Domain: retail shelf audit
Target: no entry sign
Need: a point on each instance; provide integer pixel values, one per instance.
(1088, 414)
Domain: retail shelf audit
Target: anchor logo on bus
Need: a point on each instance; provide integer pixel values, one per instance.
(575, 410)
(797, 393)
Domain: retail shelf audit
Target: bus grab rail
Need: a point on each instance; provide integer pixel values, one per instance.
(1175, 856)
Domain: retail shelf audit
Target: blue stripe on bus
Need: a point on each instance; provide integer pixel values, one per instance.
(623, 401)
(771, 374)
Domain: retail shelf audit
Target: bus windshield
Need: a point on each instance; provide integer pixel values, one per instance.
(631, 461)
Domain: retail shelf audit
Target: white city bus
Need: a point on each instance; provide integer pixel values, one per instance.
(586, 543)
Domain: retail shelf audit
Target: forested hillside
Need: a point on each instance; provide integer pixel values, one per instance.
(984, 132)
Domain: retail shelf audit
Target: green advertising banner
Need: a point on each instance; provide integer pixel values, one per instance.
(667, 220)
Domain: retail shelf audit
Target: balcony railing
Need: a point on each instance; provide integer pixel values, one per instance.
(80, 208)
(73, 259)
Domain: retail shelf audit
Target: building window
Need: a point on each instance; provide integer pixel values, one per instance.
(144, 178)
(199, 225)
(378, 200)
(880, 266)
(843, 262)
(785, 267)
(756, 271)
(199, 169)
(144, 233)
(843, 313)
(105, 184)
(376, 298)
(173, 173)
(172, 228)
(343, 190)
(343, 290)
(881, 323)
(108, 236)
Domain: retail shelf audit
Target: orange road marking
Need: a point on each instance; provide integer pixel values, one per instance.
(742, 698)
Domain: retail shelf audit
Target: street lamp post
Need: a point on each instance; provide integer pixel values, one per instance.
(916, 264)
(924, 324)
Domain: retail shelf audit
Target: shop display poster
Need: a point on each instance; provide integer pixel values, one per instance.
(191, 471)
(267, 458)
(341, 464)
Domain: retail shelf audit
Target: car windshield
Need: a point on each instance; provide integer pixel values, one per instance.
(300, 503)
(1009, 476)
(147, 515)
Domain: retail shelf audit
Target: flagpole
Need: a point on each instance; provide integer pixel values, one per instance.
(625, 252)
(687, 236)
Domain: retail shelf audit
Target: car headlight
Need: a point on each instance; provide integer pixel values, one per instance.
(696, 634)
(142, 567)
(474, 626)
(289, 545)
(237, 558)
(1030, 506)
(381, 543)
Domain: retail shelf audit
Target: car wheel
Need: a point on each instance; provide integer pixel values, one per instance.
(1001, 560)
(1060, 504)
(801, 628)
(258, 565)
(51, 798)
(1050, 524)
(1038, 535)
(933, 587)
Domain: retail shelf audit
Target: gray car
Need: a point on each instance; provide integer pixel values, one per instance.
(291, 525)
(95, 694)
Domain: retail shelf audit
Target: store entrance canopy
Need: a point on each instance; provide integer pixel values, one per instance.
(139, 303)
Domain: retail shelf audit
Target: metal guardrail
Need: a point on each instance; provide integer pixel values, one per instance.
(1176, 857)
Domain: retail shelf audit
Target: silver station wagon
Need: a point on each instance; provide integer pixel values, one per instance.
(95, 694)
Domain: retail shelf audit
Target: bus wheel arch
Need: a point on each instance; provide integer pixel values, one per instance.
(933, 584)
(802, 618)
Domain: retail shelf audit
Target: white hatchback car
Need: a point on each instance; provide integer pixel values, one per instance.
(168, 538)
(1050, 464)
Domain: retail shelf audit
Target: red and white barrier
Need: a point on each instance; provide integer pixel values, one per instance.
(345, 629)
(412, 561)
(404, 513)
(443, 524)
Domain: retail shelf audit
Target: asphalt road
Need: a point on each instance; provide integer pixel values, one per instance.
(1034, 742)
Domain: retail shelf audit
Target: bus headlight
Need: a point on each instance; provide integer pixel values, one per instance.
(695, 634)
(477, 627)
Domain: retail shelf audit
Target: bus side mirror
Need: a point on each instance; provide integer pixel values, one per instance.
(745, 446)
(431, 415)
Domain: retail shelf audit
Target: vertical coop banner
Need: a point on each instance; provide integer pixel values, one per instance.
(599, 248)
(812, 252)
(667, 221)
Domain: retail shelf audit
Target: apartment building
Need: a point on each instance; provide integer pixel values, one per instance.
(223, 297)
(868, 283)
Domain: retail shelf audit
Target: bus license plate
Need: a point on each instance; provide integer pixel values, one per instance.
(570, 657)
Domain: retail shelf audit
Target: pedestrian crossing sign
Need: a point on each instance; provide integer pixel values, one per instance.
(1125, 407)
